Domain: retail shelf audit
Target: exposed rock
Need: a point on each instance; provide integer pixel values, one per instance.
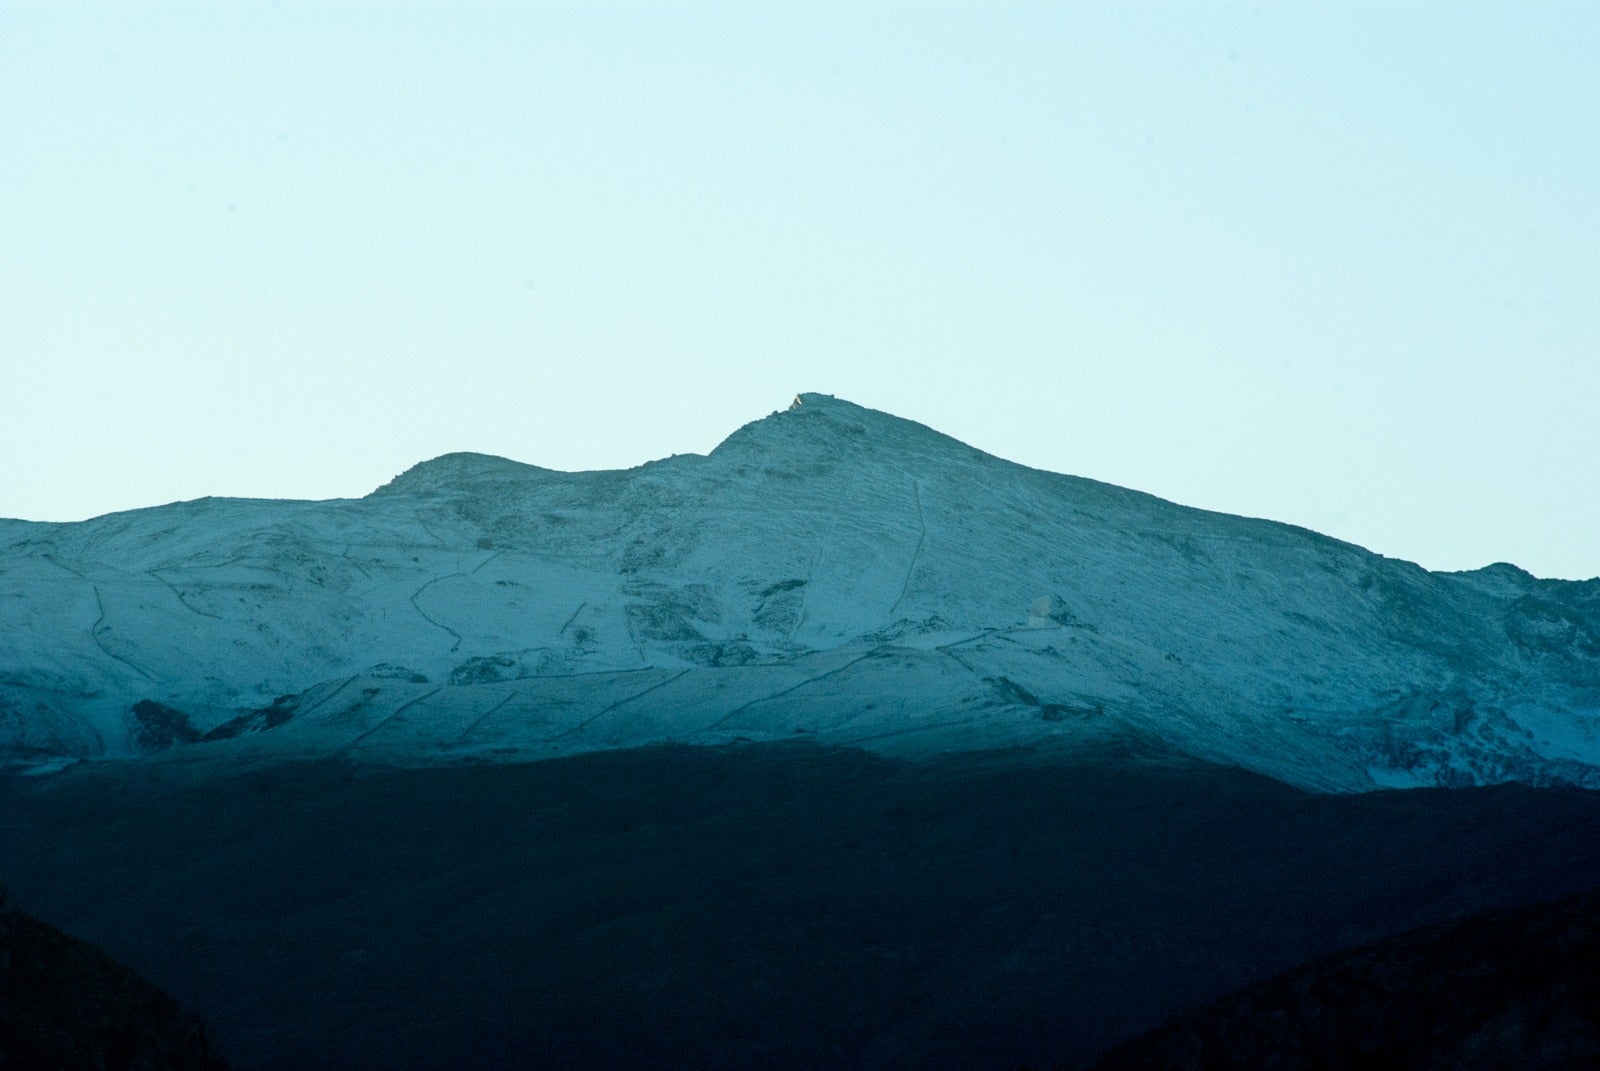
(157, 726)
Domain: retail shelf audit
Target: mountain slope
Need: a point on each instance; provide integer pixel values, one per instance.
(65, 1004)
(776, 906)
(829, 571)
(1508, 988)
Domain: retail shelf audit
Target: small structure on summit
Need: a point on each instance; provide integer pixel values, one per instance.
(800, 399)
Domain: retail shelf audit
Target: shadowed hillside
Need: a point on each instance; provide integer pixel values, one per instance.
(780, 906)
(65, 1004)
(1505, 989)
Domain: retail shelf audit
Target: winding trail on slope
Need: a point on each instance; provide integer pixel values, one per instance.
(94, 629)
(185, 602)
(480, 565)
(426, 527)
(573, 618)
(325, 700)
(946, 649)
(456, 645)
(401, 709)
(916, 555)
(345, 554)
(480, 719)
(581, 726)
(736, 711)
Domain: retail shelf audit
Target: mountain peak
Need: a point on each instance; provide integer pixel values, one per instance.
(822, 426)
(813, 423)
(457, 470)
(871, 578)
(816, 401)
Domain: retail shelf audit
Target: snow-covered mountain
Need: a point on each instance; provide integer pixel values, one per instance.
(830, 573)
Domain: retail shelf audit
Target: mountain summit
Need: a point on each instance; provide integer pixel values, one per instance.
(829, 572)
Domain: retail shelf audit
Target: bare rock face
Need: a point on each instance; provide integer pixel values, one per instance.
(1503, 989)
(65, 1004)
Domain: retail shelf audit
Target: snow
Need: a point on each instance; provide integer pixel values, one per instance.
(829, 572)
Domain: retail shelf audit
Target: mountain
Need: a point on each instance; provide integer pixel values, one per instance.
(780, 906)
(828, 573)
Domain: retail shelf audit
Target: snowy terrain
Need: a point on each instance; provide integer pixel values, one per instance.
(830, 573)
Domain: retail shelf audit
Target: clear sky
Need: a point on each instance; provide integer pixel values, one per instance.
(1330, 263)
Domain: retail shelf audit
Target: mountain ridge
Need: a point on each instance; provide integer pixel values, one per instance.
(829, 571)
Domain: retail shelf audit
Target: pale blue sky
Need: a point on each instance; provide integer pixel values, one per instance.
(1334, 264)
